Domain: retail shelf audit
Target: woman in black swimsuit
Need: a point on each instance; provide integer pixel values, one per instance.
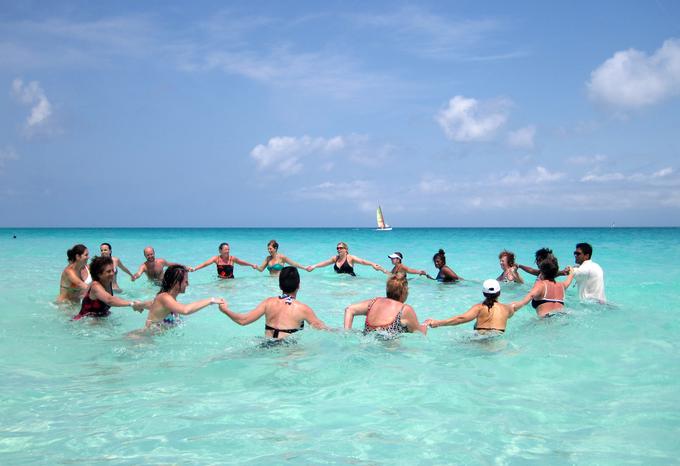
(284, 315)
(224, 262)
(446, 273)
(491, 315)
(547, 295)
(344, 262)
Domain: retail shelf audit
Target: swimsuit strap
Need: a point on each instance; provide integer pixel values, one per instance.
(287, 298)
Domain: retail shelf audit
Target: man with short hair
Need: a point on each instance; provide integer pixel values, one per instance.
(588, 275)
(152, 267)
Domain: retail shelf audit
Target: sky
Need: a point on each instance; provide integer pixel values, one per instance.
(310, 114)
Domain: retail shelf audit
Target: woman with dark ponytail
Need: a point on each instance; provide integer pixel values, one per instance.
(446, 273)
(75, 278)
(492, 316)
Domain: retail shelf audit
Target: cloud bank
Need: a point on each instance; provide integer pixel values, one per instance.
(467, 119)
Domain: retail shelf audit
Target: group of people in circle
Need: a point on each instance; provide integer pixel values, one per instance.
(93, 286)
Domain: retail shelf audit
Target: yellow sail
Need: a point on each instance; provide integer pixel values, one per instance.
(380, 218)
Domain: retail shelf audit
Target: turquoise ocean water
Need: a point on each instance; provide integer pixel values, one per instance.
(599, 386)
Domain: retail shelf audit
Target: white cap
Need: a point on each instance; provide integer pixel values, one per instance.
(491, 286)
(396, 255)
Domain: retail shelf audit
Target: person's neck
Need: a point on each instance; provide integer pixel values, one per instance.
(292, 294)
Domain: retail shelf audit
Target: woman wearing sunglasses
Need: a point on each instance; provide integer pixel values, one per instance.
(343, 261)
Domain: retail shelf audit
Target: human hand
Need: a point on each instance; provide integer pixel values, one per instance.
(254, 266)
(309, 268)
(429, 323)
(138, 306)
(191, 269)
(217, 301)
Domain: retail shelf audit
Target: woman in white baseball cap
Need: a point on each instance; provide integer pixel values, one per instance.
(398, 267)
(492, 315)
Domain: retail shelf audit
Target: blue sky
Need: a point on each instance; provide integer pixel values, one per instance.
(310, 113)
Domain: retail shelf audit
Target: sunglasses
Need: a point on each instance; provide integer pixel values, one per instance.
(339, 248)
(577, 253)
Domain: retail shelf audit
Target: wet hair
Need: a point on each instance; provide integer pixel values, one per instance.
(106, 244)
(97, 266)
(274, 244)
(222, 245)
(542, 253)
(549, 268)
(289, 279)
(490, 299)
(173, 275)
(510, 255)
(397, 287)
(441, 255)
(76, 250)
(585, 248)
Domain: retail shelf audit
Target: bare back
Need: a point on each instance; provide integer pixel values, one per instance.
(494, 319)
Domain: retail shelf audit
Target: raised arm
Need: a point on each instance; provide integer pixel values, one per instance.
(212, 260)
(467, 316)
(313, 320)
(357, 309)
(529, 270)
(242, 262)
(139, 272)
(569, 279)
(185, 309)
(359, 260)
(123, 268)
(245, 318)
(538, 286)
(325, 263)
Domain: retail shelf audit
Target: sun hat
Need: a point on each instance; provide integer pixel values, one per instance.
(396, 255)
(491, 286)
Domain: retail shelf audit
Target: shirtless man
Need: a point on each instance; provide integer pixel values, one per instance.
(152, 267)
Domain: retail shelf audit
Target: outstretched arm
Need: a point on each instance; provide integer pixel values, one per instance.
(264, 263)
(140, 271)
(313, 320)
(467, 316)
(212, 260)
(448, 271)
(530, 295)
(292, 262)
(123, 268)
(359, 260)
(242, 262)
(245, 318)
(185, 309)
(413, 271)
(529, 270)
(325, 263)
(569, 279)
(101, 294)
(357, 309)
(411, 319)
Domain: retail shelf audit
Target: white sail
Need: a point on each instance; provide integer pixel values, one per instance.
(382, 226)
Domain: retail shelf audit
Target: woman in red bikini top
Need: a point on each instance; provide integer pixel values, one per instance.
(99, 297)
(224, 262)
(388, 315)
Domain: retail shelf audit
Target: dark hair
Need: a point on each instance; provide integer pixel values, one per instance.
(222, 245)
(397, 287)
(441, 255)
(273, 243)
(542, 253)
(106, 244)
(76, 250)
(97, 265)
(585, 248)
(289, 279)
(549, 268)
(509, 255)
(490, 299)
(173, 275)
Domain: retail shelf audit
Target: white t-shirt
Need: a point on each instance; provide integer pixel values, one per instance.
(590, 280)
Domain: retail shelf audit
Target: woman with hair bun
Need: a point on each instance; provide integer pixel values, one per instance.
(446, 273)
(492, 316)
(75, 277)
(99, 297)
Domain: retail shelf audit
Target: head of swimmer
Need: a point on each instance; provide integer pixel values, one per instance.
(549, 268)
(506, 259)
(175, 279)
(289, 280)
(342, 248)
(542, 254)
(150, 254)
(272, 247)
(105, 249)
(78, 254)
(224, 249)
(439, 259)
(397, 287)
(582, 253)
(101, 269)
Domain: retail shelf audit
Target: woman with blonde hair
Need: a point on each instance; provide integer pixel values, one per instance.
(389, 315)
(343, 261)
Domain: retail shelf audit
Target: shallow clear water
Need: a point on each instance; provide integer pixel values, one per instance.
(599, 386)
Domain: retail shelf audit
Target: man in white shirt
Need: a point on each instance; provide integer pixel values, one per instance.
(588, 275)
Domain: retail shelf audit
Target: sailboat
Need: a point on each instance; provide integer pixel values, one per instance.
(382, 226)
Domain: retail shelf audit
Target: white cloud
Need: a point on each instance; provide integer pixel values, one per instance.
(284, 153)
(587, 159)
(6, 155)
(467, 119)
(663, 172)
(604, 177)
(636, 177)
(539, 175)
(632, 79)
(33, 95)
(523, 138)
